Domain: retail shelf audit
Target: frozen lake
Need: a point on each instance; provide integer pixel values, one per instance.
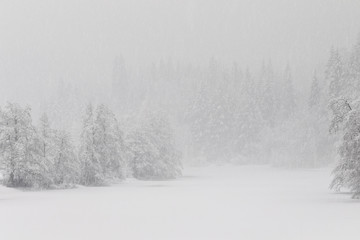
(229, 202)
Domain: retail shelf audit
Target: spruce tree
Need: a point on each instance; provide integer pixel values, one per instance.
(347, 171)
(315, 94)
(153, 151)
(46, 143)
(335, 75)
(91, 170)
(109, 143)
(288, 102)
(20, 149)
(267, 98)
(66, 163)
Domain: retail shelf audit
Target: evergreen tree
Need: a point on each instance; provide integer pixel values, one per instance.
(346, 173)
(220, 123)
(20, 149)
(91, 170)
(66, 164)
(354, 71)
(318, 122)
(248, 118)
(288, 102)
(154, 155)
(335, 73)
(46, 143)
(315, 94)
(198, 116)
(109, 143)
(267, 99)
(236, 78)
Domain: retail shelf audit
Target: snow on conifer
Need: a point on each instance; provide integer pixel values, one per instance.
(109, 143)
(101, 147)
(153, 152)
(66, 163)
(91, 170)
(20, 149)
(345, 105)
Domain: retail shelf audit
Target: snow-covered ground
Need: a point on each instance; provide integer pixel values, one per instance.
(241, 202)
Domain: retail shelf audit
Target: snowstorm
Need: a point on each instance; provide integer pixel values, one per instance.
(191, 119)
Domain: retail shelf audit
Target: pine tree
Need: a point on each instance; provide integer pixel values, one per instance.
(46, 144)
(20, 149)
(109, 143)
(354, 70)
(318, 117)
(267, 99)
(143, 154)
(91, 170)
(220, 123)
(236, 78)
(344, 74)
(335, 73)
(198, 117)
(248, 118)
(315, 94)
(347, 171)
(154, 155)
(66, 163)
(288, 102)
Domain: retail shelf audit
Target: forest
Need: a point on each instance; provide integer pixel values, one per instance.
(179, 120)
(212, 115)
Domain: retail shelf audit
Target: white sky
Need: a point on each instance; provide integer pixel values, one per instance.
(77, 40)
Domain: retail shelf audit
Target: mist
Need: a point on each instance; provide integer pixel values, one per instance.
(77, 41)
(190, 119)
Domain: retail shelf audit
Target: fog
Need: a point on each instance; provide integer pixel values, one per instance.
(179, 119)
(77, 40)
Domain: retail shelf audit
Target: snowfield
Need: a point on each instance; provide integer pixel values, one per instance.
(228, 202)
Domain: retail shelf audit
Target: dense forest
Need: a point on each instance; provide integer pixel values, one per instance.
(160, 116)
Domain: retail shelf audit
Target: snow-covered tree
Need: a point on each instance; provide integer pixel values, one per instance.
(58, 152)
(288, 102)
(347, 118)
(91, 169)
(319, 121)
(220, 123)
(335, 74)
(315, 94)
(343, 72)
(66, 164)
(248, 121)
(20, 149)
(109, 143)
(267, 101)
(353, 71)
(197, 117)
(153, 151)
(46, 143)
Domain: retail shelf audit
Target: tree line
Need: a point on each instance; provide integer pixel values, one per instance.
(227, 113)
(39, 156)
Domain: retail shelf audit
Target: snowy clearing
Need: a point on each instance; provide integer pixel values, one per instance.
(229, 202)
